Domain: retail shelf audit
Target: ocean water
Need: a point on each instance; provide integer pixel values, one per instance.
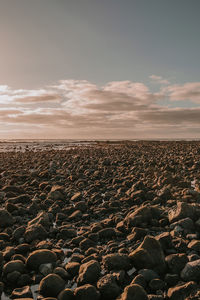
(41, 145)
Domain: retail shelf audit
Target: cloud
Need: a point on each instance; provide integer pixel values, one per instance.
(79, 108)
(159, 79)
(188, 91)
(172, 116)
(39, 98)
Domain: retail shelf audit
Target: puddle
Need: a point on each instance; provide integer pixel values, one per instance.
(34, 290)
(66, 260)
(193, 184)
(4, 297)
(74, 286)
(54, 225)
(131, 271)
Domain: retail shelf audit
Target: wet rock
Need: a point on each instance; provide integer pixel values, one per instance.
(134, 292)
(24, 292)
(35, 232)
(191, 271)
(165, 240)
(108, 287)
(42, 218)
(66, 294)
(140, 280)
(182, 210)
(15, 265)
(194, 245)
(117, 262)
(156, 284)
(6, 218)
(107, 233)
(38, 257)
(51, 285)
(149, 255)
(86, 292)
(176, 262)
(182, 291)
(148, 274)
(72, 268)
(86, 244)
(56, 193)
(89, 272)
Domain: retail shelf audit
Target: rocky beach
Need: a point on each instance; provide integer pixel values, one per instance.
(103, 221)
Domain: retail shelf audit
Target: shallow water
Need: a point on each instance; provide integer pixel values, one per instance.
(24, 146)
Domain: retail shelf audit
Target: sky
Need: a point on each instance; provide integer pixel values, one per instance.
(90, 69)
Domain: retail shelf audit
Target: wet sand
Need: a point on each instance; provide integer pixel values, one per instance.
(100, 221)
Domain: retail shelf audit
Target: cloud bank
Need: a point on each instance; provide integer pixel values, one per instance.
(119, 109)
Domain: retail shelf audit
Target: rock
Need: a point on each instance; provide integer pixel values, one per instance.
(171, 279)
(42, 218)
(187, 224)
(148, 274)
(155, 297)
(107, 233)
(38, 257)
(134, 292)
(176, 262)
(156, 284)
(140, 280)
(194, 245)
(138, 233)
(149, 255)
(86, 292)
(35, 232)
(76, 196)
(66, 294)
(6, 218)
(182, 291)
(15, 265)
(108, 287)
(24, 198)
(72, 268)
(56, 193)
(141, 215)
(24, 292)
(191, 271)
(86, 244)
(116, 261)
(165, 240)
(182, 210)
(89, 272)
(51, 285)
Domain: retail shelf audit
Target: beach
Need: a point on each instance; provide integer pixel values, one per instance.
(100, 220)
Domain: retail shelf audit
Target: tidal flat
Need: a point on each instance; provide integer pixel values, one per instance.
(100, 220)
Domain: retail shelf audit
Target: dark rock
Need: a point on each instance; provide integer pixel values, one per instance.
(38, 257)
(182, 210)
(117, 262)
(108, 287)
(176, 262)
(191, 271)
(24, 292)
(35, 232)
(66, 294)
(86, 292)
(15, 265)
(149, 255)
(89, 272)
(156, 284)
(134, 292)
(72, 268)
(6, 218)
(51, 285)
(182, 291)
